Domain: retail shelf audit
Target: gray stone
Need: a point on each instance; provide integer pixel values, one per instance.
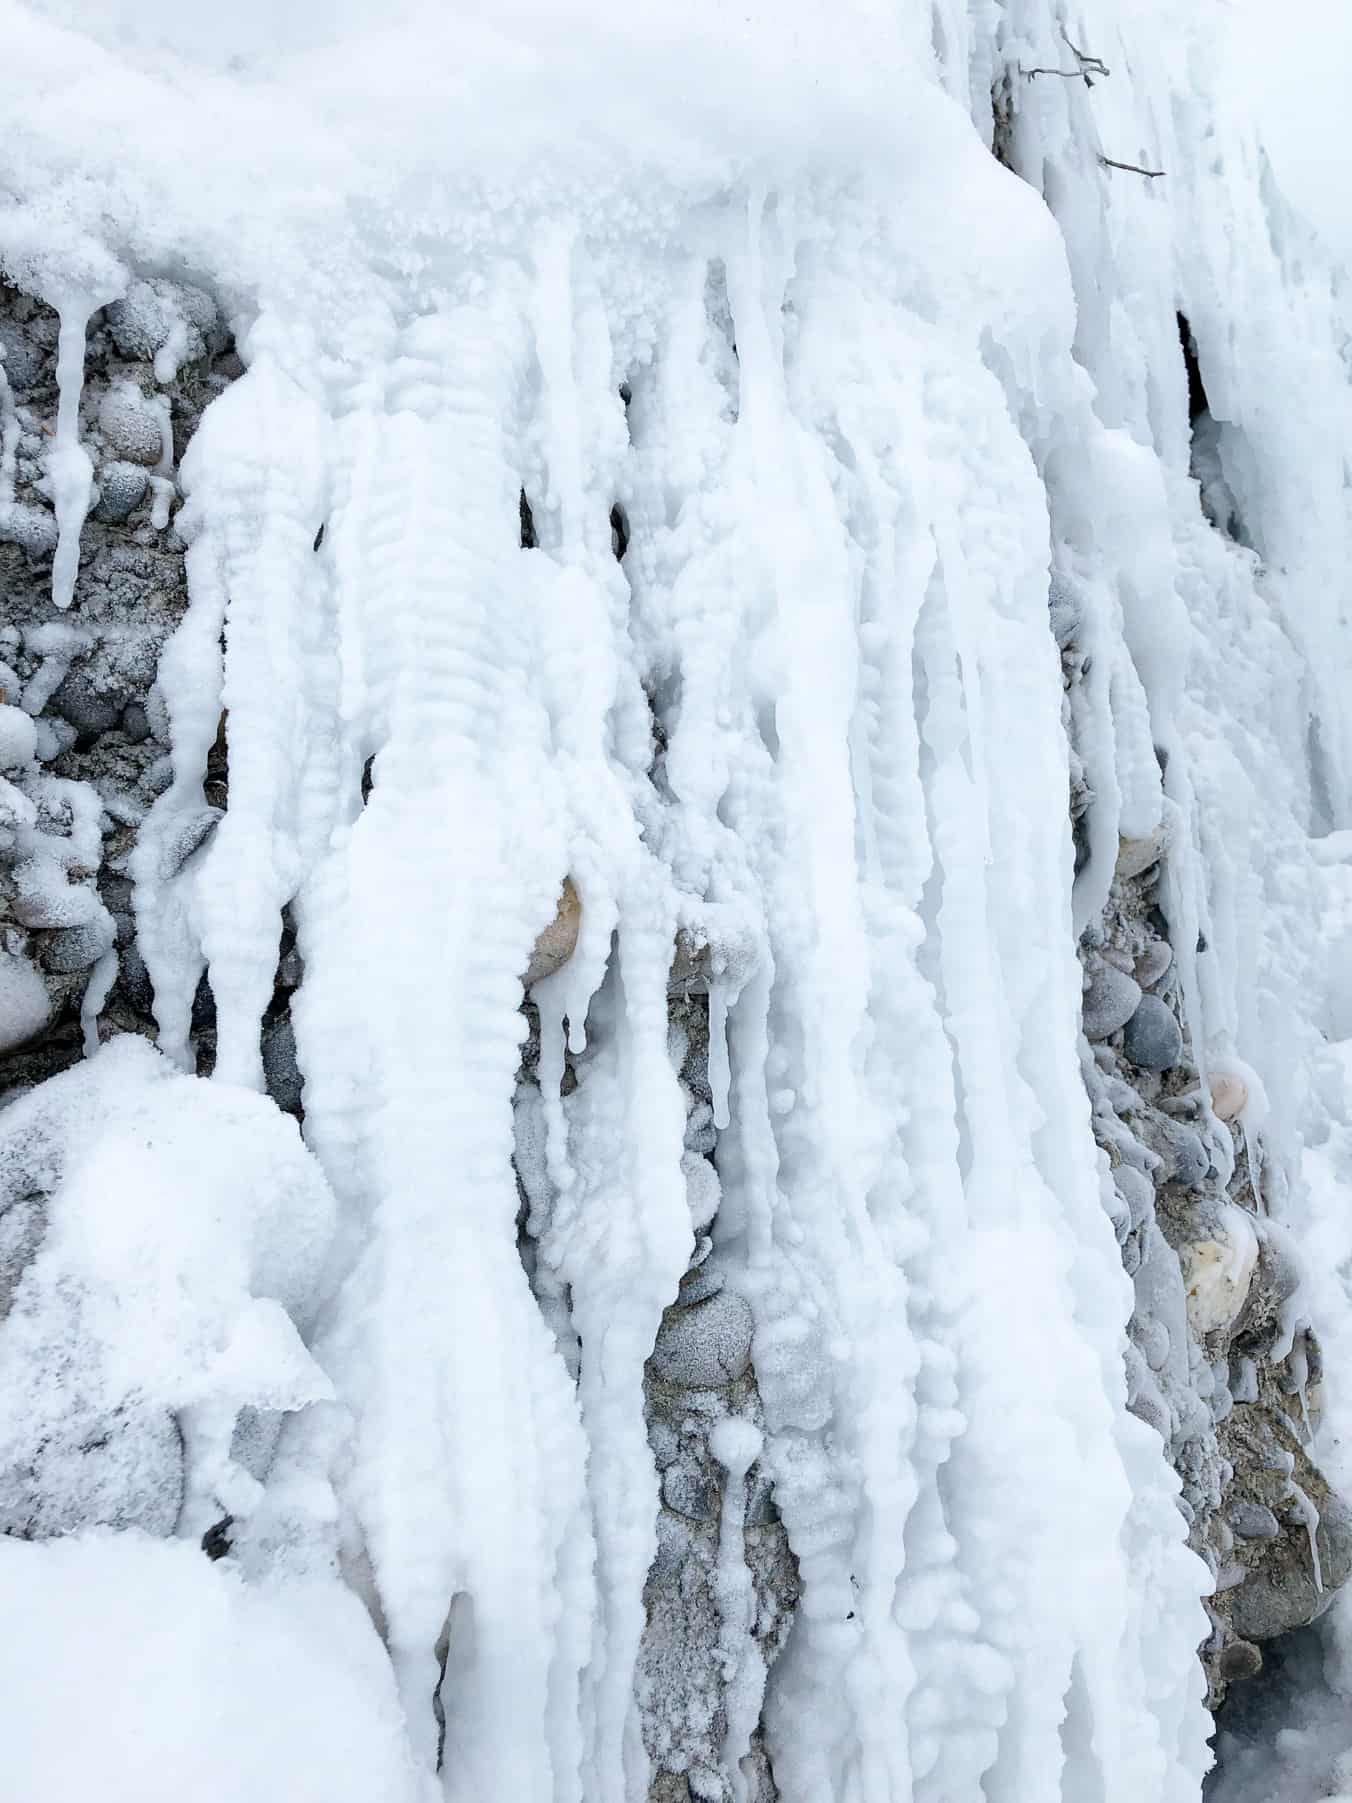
(1136, 1190)
(706, 1346)
(281, 1073)
(88, 709)
(130, 425)
(33, 529)
(1253, 1521)
(1065, 608)
(1111, 997)
(135, 723)
(190, 832)
(689, 1493)
(72, 949)
(1154, 963)
(122, 488)
(1153, 1039)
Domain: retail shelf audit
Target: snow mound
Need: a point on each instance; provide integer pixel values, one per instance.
(146, 1674)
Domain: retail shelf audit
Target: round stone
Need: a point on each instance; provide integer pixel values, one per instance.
(1154, 963)
(1153, 1039)
(707, 1346)
(1111, 997)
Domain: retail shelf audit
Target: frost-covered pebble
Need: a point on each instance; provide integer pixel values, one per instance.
(18, 738)
(1153, 1039)
(131, 425)
(1252, 1521)
(1229, 1096)
(87, 708)
(1154, 963)
(1136, 856)
(33, 529)
(1136, 1190)
(122, 488)
(78, 948)
(1110, 999)
(25, 1006)
(706, 1346)
(558, 941)
(1065, 607)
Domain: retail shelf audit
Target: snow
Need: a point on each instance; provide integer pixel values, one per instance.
(880, 393)
(209, 1687)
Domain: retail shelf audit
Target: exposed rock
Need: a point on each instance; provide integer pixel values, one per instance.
(131, 425)
(25, 1007)
(558, 942)
(1136, 856)
(1154, 963)
(1111, 998)
(1229, 1096)
(1153, 1038)
(122, 488)
(707, 1346)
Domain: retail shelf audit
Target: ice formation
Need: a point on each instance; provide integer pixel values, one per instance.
(814, 540)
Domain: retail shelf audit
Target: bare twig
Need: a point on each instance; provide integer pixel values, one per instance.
(1089, 65)
(1065, 74)
(1135, 168)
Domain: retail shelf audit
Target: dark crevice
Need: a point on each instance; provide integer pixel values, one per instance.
(1206, 463)
(319, 536)
(367, 779)
(529, 540)
(1197, 401)
(277, 1040)
(216, 783)
(619, 532)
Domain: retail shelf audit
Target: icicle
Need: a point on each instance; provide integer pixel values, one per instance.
(720, 1073)
(736, 1444)
(101, 980)
(1310, 1516)
(69, 469)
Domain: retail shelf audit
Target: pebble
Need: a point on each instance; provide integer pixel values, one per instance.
(707, 1346)
(122, 488)
(1065, 608)
(85, 707)
(130, 425)
(1153, 1039)
(1111, 998)
(558, 942)
(281, 1073)
(31, 528)
(1136, 1190)
(18, 738)
(1135, 856)
(72, 949)
(1229, 1097)
(1252, 1521)
(25, 1007)
(1154, 963)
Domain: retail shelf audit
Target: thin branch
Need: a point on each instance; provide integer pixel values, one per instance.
(1135, 168)
(1089, 65)
(1065, 74)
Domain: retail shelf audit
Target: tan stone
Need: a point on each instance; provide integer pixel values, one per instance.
(558, 942)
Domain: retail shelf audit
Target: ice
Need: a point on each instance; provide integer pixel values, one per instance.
(832, 430)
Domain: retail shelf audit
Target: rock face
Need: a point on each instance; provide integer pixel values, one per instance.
(83, 734)
(1212, 1364)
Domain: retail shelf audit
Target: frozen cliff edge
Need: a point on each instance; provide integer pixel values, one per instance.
(785, 534)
